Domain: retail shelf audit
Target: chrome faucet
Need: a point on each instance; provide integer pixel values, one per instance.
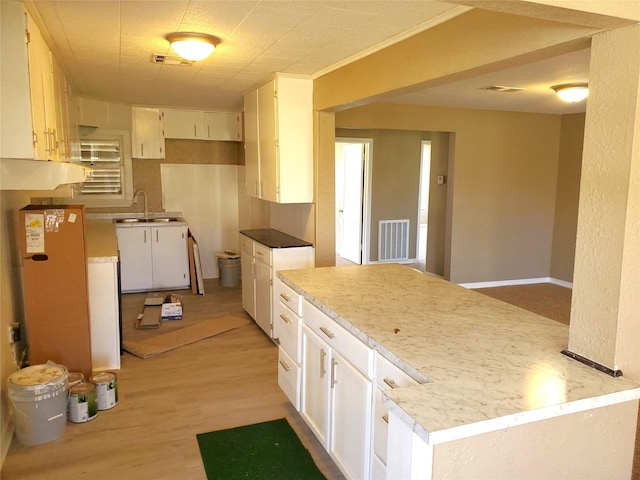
(146, 206)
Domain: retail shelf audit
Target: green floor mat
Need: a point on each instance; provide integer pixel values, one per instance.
(269, 450)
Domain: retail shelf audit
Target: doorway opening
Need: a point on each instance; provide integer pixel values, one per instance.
(423, 206)
(353, 186)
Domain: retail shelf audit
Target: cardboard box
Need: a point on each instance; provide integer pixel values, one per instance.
(172, 307)
(171, 311)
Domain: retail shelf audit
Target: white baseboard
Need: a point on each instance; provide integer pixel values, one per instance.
(522, 281)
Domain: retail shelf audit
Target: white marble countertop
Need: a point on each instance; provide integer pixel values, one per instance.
(487, 364)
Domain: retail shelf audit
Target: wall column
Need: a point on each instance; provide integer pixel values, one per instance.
(605, 311)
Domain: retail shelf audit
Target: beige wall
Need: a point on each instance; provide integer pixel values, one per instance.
(503, 185)
(146, 172)
(567, 195)
(11, 303)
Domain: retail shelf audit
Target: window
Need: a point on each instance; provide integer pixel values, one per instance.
(105, 160)
(110, 182)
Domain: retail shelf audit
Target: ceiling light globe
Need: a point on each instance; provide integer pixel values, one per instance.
(572, 93)
(193, 46)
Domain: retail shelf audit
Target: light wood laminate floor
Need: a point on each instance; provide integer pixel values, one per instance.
(164, 401)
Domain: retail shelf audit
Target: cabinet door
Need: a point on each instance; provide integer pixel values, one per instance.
(263, 296)
(185, 124)
(248, 284)
(148, 137)
(225, 126)
(351, 404)
(134, 244)
(252, 171)
(314, 400)
(170, 257)
(38, 60)
(267, 142)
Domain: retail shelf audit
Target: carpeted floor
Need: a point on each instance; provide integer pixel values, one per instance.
(546, 299)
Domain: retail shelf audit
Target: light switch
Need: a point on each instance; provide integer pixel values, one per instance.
(441, 179)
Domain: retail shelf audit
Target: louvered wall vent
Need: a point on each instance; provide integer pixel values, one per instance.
(503, 89)
(169, 60)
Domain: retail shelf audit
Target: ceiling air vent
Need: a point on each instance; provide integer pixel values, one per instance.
(169, 60)
(503, 89)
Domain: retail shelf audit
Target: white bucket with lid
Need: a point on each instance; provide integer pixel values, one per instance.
(39, 397)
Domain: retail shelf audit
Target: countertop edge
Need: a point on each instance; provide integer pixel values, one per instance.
(511, 420)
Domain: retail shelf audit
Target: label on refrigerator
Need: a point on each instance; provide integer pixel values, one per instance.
(34, 226)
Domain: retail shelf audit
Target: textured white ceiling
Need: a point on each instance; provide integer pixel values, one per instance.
(105, 47)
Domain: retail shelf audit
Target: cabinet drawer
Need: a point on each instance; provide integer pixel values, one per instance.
(289, 297)
(263, 253)
(389, 375)
(287, 327)
(352, 349)
(289, 377)
(246, 245)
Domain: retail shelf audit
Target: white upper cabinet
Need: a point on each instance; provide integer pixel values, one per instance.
(35, 95)
(201, 125)
(16, 134)
(279, 140)
(98, 113)
(222, 126)
(147, 133)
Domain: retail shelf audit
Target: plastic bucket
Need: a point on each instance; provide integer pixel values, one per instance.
(229, 269)
(106, 389)
(83, 403)
(39, 397)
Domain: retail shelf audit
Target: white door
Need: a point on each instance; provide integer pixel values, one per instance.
(247, 263)
(352, 191)
(314, 401)
(263, 296)
(170, 257)
(134, 244)
(351, 394)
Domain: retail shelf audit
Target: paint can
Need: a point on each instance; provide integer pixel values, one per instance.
(106, 389)
(83, 402)
(39, 397)
(75, 378)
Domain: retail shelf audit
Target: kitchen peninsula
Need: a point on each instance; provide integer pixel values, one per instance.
(492, 396)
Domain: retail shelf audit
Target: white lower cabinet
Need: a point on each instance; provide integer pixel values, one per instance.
(259, 264)
(387, 376)
(337, 391)
(153, 258)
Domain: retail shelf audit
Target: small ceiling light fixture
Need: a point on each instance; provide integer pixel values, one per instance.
(193, 46)
(572, 92)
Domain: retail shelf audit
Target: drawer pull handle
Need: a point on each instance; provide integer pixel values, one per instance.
(390, 382)
(323, 355)
(285, 318)
(285, 297)
(385, 417)
(334, 380)
(285, 366)
(327, 332)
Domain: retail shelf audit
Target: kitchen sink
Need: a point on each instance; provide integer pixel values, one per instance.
(130, 220)
(143, 220)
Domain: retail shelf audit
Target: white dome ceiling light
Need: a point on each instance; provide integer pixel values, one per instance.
(193, 46)
(572, 92)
